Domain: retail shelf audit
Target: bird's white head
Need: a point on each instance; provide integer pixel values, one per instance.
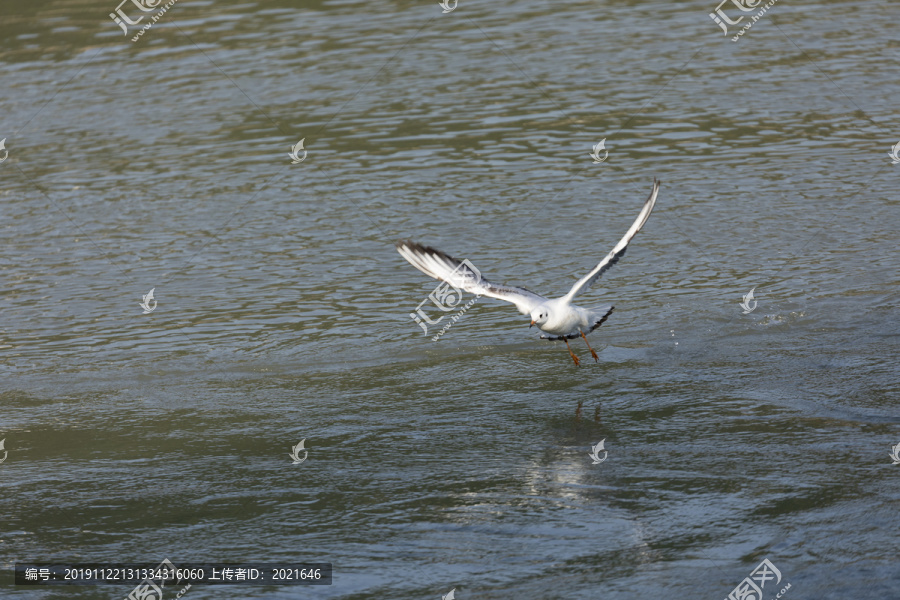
(540, 315)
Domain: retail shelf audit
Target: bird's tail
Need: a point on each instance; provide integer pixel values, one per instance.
(599, 315)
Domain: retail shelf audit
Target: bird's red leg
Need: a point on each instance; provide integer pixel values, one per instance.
(594, 354)
(572, 354)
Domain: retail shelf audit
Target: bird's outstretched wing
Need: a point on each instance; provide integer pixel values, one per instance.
(444, 267)
(616, 253)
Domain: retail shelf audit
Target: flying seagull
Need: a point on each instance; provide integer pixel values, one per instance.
(558, 317)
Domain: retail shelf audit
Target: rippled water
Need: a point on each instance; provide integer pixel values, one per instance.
(283, 308)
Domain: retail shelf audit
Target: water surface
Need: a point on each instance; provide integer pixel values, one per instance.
(283, 309)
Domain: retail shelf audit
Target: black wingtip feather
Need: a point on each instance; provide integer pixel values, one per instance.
(422, 249)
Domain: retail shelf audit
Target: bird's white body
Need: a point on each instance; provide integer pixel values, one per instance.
(562, 319)
(557, 317)
(565, 319)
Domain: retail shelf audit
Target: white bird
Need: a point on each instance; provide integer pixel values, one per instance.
(557, 317)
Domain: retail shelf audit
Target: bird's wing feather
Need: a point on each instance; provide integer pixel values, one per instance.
(616, 253)
(444, 267)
